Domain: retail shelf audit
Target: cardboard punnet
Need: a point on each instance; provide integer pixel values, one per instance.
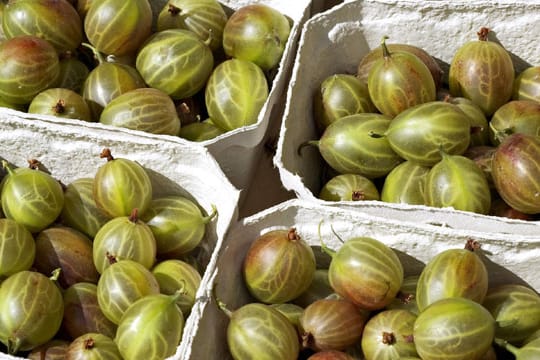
(70, 152)
(334, 42)
(236, 151)
(508, 259)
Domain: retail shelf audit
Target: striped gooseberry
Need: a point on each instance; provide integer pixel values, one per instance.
(515, 170)
(124, 237)
(318, 289)
(349, 187)
(121, 185)
(406, 296)
(332, 324)
(62, 103)
(60, 247)
(178, 224)
(235, 93)
(176, 62)
(389, 335)
(200, 131)
(80, 211)
(349, 145)
(73, 73)
(118, 27)
(367, 272)
(330, 355)
(515, 116)
(28, 65)
(453, 328)
(143, 109)
(31, 310)
(52, 350)
(206, 18)
(17, 248)
(31, 197)
(82, 313)
(278, 266)
(56, 21)
(529, 351)
(482, 71)
(527, 84)
(271, 335)
(406, 184)
(292, 312)
(422, 131)
(450, 273)
(257, 33)
(121, 284)
(173, 275)
(93, 345)
(478, 120)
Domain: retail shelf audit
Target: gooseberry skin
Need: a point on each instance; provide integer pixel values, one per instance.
(55, 21)
(31, 197)
(121, 185)
(93, 345)
(31, 309)
(151, 328)
(121, 284)
(527, 85)
(349, 187)
(118, 27)
(257, 33)
(17, 248)
(515, 116)
(28, 65)
(62, 103)
(367, 272)
(143, 109)
(176, 62)
(235, 93)
(453, 328)
(406, 184)
(258, 331)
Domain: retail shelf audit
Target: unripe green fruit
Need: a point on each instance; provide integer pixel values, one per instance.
(17, 248)
(349, 187)
(406, 184)
(93, 346)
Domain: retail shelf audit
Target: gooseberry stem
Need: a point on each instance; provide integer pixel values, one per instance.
(375, 135)
(385, 51)
(96, 53)
(212, 215)
(483, 34)
(106, 153)
(134, 216)
(324, 247)
(506, 345)
(55, 274)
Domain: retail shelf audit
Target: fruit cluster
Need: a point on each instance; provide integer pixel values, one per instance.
(190, 70)
(358, 302)
(97, 268)
(402, 130)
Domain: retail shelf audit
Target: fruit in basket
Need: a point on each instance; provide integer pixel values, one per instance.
(200, 131)
(278, 266)
(60, 102)
(270, 334)
(93, 346)
(151, 328)
(399, 80)
(176, 62)
(516, 116)
(52, 350)
(406, 296)
(453, 328)
(235, 94)
(31, 197)
(515, 167)
(367, 61)
(124, 237)
(256, 33)
(330, 355)
(28, 65)
(80, 210)
(31, 310)
(332, 324)
(121, 185)
(291, 311)
(66, 249)
(205, 18)
(349, 187)
(82, 313)
(529, 351)
(349, 147)
(516, 309)
(450, 273)
(420, 133)
(118, 27)
(144, 109)
(456, 181)
(405, 184)
(527, 85)
(56, 21)
(177, 223)
(340, 95)
(121, 284)
(478, 121)
(482, 71)
(482, 155)
(173, 275)
(389, 335)
(107, 81)
(367, 272)
(17, 248)
(318, 289)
